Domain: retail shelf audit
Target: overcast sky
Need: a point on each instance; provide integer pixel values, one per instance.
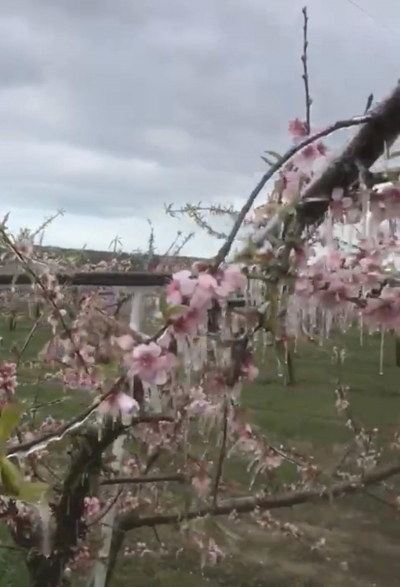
(111, 108)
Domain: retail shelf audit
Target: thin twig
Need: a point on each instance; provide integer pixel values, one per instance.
(106, 509)
(226, 247)
(304, 59)
(222, 452)
(177, 477)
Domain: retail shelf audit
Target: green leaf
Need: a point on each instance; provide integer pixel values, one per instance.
(11, 478)
(162, 304)
(274, 154)
(175, 311)
(268, 161)
(9, 418)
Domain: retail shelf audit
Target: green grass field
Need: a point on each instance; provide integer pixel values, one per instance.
(362, 534)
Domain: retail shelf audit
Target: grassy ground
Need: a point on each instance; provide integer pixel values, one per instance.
(362, 534)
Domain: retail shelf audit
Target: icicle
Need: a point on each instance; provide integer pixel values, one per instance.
(279, 368)
(382, 348)
(45, 518)
(328, 231)
(152, 397)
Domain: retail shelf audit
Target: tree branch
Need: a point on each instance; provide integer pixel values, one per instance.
(226, 247)
(222, 452)
(177, 477)
(381, 129)
(243, 505)
(304, 59)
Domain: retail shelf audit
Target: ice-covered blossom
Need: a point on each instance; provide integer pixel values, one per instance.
(150, 363)
(180, 287)
(233, 281)
(384, 310)
(298, 128)
(92, 506)
(343, 207)
(202, 481)
(118, 403)
(8, 381)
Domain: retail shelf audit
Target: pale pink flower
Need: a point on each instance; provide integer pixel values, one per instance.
(118, 403)
(272, 460)
(233, 280)
(213, 553)
(91, 505)
(310, 152)
(384, 310)
(206, 288)
(298, 129)
(149, 364)
(249, 370)
(125, 342)
(181, 286)
(86, 353)
(165, 339)
(339, 203)
(335, 293)
(292, 180)
(334, 259)
(188, 324)
(24, 246)
(8, 381)
(303, 287)
(202, 482)
(385, 203)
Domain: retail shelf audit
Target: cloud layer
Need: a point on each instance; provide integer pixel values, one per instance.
(110, 108)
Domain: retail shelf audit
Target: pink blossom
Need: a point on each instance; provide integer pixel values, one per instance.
(181, 286)
(233, 280)
(310, 152)
(202, 482)
(334, 292)
(125, 342)
(250, 370)
(81, 380)
(205, 291)
(292, 180)
(334, 259)
(8, 381)
(86, 353)
(164, 340)
(384, 310)
(149, 364)
(24, 246)
(92, 506)
(339, 203)
(303, 287)
(118, 403)
(188, 324)
(298, 129)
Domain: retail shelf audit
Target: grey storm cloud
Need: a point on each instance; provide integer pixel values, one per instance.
(113, 107)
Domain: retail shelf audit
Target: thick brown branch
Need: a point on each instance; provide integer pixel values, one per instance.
(222, 452)
(177, 477)
(244, 505)
(226, 247)
(380, 131)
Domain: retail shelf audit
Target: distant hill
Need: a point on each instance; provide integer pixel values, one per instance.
(135, 261)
